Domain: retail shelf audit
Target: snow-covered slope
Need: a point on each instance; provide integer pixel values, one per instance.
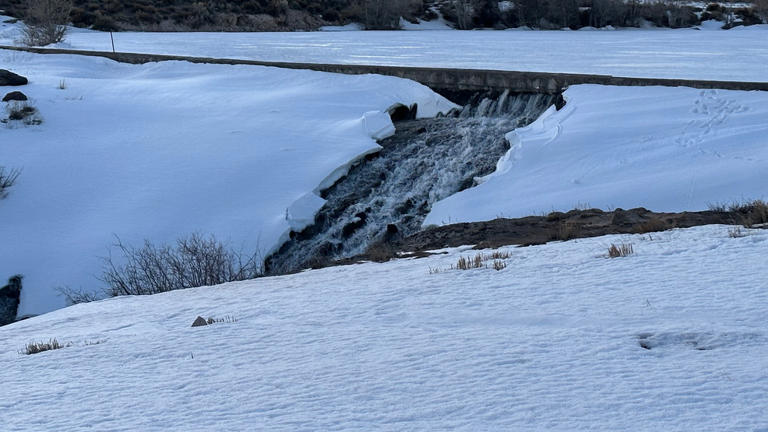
(740, 54)
(551, 342)
(162, 150)
(667, 149)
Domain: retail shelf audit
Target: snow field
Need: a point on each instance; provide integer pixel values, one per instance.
(730, 55)
(162, 150)
(550, 342)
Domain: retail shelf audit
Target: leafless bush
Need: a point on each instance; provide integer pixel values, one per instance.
(7, 179)
(76, 296)
(194, 261)
(24, 112)
(735, 232)
(620, 250)
(749, 213)
(46, 21)
(499, 265)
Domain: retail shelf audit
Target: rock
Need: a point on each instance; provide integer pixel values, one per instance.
(9, 300)
(199, 321)
(8, 78)
(15, 96)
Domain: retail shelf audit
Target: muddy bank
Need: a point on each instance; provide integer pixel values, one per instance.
(556, 226)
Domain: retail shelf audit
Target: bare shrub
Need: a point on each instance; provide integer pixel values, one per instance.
(76, 296)
(717, 207)
(38, 347)
(750, 213)
(499, 265)
(7, 179)
(46, 21)
(620, 250)
(736, 232)
(194, 261)
(24, 112)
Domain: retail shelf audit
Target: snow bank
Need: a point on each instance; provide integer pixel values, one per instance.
(162, 150)
(552, 342)
(666, 149)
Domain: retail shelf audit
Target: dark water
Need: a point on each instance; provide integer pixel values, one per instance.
(390, 193)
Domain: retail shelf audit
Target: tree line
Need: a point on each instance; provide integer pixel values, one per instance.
(274, 15)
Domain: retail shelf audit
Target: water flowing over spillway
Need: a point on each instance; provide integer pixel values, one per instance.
(388, 194)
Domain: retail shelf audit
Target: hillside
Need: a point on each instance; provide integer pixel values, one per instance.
(672, 337)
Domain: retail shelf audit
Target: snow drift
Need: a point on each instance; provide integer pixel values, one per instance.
(161, 150)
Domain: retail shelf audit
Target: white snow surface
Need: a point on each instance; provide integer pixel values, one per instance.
(163, 150)
(740, 54)
(552, 342)
(666, 149)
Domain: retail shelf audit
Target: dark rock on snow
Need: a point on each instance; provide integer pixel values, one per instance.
(199, 322)
(8, 78)
(15, 96)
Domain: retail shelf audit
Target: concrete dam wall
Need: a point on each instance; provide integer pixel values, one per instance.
(439, 79)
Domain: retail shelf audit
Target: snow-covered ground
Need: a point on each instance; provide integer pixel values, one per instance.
(551, 342)
(740, 54)
(666, 149)
(162, 150)
(159, 151)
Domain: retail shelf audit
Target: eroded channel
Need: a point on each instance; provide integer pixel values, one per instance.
(388, 194)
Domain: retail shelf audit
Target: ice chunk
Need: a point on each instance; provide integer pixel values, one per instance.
(301, 213)
(378, 125)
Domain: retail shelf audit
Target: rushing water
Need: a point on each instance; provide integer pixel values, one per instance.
(390, 193)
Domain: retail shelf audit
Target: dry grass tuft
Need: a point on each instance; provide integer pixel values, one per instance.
(465, 263)
(621, 250)
(38, 347)
(479, 261)
(736, 232)
(498, 255)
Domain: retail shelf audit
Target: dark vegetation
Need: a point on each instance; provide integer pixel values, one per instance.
(7, 179)
(574, 14)
(289, 15)
(10, 295)
(46, 21)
